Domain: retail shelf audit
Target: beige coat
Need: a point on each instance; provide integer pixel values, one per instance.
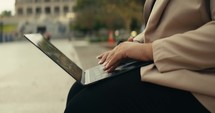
(183, 36)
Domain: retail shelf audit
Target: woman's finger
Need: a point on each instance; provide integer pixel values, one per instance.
(116, 58)
(100, 56)
(131, 39)
(109, 56)
(103, 58)
(112, 68)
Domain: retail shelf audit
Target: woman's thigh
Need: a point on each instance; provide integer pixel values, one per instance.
(127, 94)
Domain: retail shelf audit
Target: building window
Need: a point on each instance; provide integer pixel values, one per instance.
(29, 1)
(29, 11)
(65, 9)
(19, 1)
(38, 10)
(47, 0)
(48, 10)
(20, 11)
(37, 1)
(57, 10)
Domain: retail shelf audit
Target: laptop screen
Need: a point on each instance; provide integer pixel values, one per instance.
(56, 55)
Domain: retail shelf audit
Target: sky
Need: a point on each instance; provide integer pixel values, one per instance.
(7, 5)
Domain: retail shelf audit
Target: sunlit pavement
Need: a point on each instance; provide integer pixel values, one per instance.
(30, 82)
(87, 53)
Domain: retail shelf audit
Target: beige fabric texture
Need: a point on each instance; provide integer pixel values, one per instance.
(182, 34)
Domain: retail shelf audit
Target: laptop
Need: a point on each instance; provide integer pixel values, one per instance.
(85, 77)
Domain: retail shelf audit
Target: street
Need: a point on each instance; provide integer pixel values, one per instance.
(32, 83)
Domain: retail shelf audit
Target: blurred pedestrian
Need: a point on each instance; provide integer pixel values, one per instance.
(47, 36)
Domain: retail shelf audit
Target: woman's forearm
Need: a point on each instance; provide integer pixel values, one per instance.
(140, 51)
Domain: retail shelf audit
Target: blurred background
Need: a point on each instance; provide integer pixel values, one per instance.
(82, 29)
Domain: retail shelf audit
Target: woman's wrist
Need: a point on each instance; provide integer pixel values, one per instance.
(139, 51)
(148, 52)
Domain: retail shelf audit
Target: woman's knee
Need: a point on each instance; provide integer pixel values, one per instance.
(74, 90)
(88, 101)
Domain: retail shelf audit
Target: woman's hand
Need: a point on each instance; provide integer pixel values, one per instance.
(131, 39)
(138, 51)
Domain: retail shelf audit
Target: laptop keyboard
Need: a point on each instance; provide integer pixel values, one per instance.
(97, 73)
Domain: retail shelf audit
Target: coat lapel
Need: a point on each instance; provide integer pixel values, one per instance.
(154, 16)
(158, 9)
(147, 9)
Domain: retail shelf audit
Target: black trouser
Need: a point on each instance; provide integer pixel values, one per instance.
(127, 94)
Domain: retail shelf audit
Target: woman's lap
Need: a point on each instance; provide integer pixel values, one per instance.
(127, 94)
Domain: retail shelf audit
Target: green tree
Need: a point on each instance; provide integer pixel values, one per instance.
(6, 13)
(128, 10)
(88, 16)
(92, 15)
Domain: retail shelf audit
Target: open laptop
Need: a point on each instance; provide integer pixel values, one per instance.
(86, 77)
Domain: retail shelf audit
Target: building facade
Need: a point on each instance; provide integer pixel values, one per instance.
(44, 7)
(42, 16)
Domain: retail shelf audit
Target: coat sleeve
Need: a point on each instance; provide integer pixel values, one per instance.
(193, 50)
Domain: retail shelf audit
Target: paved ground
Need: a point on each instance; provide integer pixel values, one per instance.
(87, 53)
(31, 83)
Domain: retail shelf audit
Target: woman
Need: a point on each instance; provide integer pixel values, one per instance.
(180, 39)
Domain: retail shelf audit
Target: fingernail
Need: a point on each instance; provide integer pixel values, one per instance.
(104, 68)
(105, 64)
(100, 62)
